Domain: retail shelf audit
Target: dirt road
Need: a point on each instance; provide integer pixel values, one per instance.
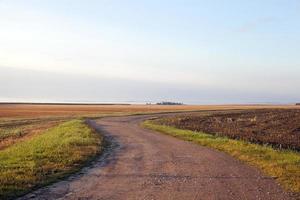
(142, 164)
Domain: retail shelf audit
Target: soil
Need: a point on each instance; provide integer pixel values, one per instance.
(277, 127)
(43, 110)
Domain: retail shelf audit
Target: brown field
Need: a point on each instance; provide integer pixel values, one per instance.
(19, 122)
(44, 110)
(277, 127)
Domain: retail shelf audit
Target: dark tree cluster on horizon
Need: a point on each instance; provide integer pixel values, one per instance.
(169, 103)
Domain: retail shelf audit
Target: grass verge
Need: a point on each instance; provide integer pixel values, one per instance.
(283, 165)
(46, 157)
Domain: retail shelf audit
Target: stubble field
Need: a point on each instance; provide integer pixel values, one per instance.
(279, 128)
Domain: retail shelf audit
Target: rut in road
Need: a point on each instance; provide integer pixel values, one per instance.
(143, 164)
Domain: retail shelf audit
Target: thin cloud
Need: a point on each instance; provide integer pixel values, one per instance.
(253, 25)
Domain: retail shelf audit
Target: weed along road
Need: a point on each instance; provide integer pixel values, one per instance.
(142, 164)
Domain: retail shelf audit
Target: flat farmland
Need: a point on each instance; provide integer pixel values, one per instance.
(19, 122)
(54, 141)
(44, 110)
(279, 128)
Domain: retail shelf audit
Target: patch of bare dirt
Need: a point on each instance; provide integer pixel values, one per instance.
(277, 127)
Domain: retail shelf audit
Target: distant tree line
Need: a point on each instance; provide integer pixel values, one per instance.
(297, 104)
(169, 103)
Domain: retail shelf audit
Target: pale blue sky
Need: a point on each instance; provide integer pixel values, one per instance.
(193, 51)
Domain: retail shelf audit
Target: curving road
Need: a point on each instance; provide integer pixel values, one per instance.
(142, 164)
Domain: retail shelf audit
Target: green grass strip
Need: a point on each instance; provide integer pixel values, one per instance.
(283, 165)
(46, 157)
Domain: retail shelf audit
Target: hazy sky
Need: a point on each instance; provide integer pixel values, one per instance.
(215, 51)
